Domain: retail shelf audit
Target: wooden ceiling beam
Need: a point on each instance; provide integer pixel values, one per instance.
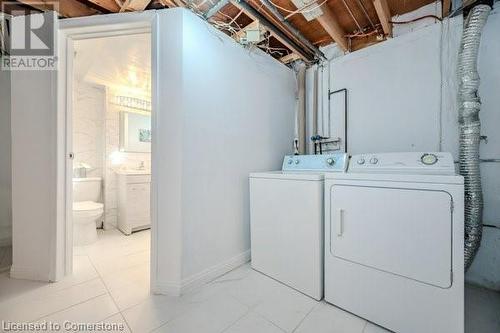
(384, 15)
(67, 8)
(331, 25)
(134, 5)
(281, 37)
(446, 8)
(168, 3)
(110, 5)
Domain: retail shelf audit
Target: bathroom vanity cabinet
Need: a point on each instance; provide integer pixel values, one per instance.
(133, 201)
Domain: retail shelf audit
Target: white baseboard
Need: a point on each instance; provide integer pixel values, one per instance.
(201, 278)
(170, 289)
(24, 273)
(214, 272)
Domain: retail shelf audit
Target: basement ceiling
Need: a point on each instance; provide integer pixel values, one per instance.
(294, 28)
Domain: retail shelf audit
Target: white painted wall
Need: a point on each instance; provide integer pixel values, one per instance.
(88, 126)
(227, 112)
(5, 169)
(402, 97)
(399, 80)
(35, 207)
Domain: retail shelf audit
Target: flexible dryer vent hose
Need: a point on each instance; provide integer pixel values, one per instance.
(470, 128)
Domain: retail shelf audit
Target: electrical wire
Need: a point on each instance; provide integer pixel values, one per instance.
(417, 19)
(305, 9)
(302, 10)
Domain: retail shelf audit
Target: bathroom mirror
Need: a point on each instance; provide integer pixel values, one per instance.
(135, 132)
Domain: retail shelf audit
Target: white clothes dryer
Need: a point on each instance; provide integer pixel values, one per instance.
(394, 241)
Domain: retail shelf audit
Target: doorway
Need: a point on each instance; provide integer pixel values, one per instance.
(105, 74)
(111, 149)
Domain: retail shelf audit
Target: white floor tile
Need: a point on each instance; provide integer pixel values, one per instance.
(114, 265)
(117, 319)
(325, 318)
(131, 294)
(92, 311)
(285, 307)
(153, 312)
(372, 328)
(125, 277)
(241, 301)
(33, 307)
(251, 289)
(253, 323)
(24, 290)
(212, 316)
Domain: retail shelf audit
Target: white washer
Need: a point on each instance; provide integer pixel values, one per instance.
(286, 220)
(394, 235)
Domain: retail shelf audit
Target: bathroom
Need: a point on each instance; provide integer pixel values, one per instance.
(111, 140)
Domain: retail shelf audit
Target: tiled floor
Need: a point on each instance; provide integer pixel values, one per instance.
(111, 284)
(5, 258)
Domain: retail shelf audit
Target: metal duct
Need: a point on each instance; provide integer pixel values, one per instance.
(470, 127)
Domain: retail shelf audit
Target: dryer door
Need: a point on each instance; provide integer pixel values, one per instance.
(407, 232)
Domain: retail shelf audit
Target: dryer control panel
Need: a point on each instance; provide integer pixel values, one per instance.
(425, 163)
(336, 162)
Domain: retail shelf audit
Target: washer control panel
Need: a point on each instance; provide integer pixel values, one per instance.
(434, 163)
(336, 162)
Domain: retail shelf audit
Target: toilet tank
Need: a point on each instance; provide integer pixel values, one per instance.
(87, 189)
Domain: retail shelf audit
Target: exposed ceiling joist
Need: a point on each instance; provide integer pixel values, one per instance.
(384, 15)
(110, 5)
(67, 8)
(446, 8)
(134, 5)
(213, 10)
(281, 37)
(289, 58)
(331, 25)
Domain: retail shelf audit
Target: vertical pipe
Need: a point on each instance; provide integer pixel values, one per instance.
(470, 129)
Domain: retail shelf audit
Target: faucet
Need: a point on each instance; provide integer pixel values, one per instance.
(141, 166)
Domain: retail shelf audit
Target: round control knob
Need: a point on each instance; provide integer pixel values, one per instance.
(361, 161)
(429, 159)
(297, 161)
(330, 161)
(290, 161)
(374, 160)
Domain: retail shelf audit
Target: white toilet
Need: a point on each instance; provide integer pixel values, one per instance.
(87, 210)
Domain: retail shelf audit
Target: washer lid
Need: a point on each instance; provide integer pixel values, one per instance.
(87, 205)
(315, 176)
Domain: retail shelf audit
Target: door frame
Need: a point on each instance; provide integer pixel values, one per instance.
(69, 31)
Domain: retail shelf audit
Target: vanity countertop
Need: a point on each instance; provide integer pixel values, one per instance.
(132, 172)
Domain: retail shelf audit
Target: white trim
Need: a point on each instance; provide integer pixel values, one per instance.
(203, 277)
(214, 272)
(77, 29)
(170, 289)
